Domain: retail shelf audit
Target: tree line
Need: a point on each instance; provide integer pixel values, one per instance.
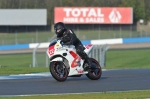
(141, 8)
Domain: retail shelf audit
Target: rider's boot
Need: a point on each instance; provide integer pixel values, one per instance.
(90, 64)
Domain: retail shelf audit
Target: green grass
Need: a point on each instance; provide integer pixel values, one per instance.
(117, 59)
(109, 95)
(18, 63)
(138, 58)
(36, 37)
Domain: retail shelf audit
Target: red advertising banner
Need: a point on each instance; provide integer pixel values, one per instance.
(93, 15)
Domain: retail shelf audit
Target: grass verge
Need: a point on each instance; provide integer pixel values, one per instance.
(133, 58)
(116, 59)
(108, 95)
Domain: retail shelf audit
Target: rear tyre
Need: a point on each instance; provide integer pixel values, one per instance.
(94, 74)
(58, 70)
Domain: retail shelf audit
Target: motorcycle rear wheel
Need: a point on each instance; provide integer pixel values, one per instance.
(58, 71)
(94, 74)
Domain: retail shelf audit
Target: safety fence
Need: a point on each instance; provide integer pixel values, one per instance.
(83, 32)
(98, 52)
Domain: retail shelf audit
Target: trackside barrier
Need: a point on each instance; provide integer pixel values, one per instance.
(94, 42)
(34, 54)
(99, 53)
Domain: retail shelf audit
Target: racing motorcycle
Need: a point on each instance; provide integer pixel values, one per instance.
(65, 62)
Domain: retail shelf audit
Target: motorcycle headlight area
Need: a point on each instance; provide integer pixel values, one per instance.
(60, 49)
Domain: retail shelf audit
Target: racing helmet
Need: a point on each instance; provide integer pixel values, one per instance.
(59, 28)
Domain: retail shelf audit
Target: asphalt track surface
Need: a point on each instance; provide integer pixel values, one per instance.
(111, 80)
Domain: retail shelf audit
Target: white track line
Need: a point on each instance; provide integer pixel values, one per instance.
(25, 76)
(32, 75)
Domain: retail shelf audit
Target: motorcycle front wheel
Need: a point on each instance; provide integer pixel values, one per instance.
(95, 73)
(58, 71)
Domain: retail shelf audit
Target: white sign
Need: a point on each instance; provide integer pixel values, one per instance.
(23, 17)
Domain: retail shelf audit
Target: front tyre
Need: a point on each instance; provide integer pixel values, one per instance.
(94, 74)
(58, 70)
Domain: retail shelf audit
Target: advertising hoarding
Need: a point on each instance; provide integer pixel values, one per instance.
(93, 15)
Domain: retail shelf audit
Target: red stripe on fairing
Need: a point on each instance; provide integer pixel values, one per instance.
(88, 46)
(73, 54)
(74, 63)
(51, 50)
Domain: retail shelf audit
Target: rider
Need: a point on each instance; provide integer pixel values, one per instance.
(68, 37)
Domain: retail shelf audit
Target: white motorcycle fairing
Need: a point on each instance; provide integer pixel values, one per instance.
(57, 59)
(57, 52)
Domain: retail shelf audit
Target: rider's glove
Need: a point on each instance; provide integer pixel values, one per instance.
(65, 38)
(61, 42)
